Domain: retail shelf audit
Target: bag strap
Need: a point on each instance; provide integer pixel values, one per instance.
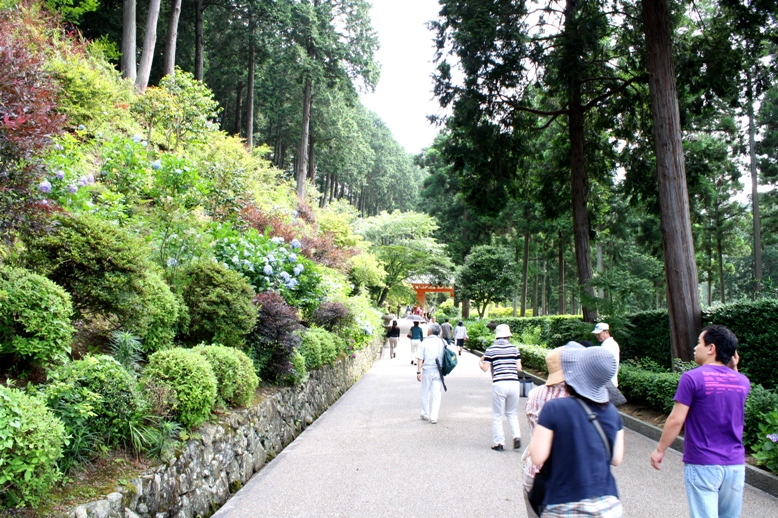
(593, 419)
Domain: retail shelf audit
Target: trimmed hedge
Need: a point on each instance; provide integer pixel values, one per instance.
(653, 389)
(234, 371)
(555, 330)
(534, 356)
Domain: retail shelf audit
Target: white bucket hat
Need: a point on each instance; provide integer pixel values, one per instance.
(502, 331)
(587, 370)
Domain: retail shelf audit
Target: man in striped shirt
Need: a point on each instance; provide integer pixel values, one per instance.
(504, 360)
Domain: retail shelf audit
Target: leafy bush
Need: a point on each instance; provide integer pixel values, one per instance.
(479, 336)
(653, 340)
(534, 356)
(189, 379)
(318, 346)
(298, 373)
(653, 389)
(99, 402)
(220, 304)
(555, 330)
(235, 376)
(363, 322)
(766, 448)
(31, 441)
(448, 310)
(101, 266)
(274, 340)
(34, 316)
(759, 403)
(530, 336)
(331, 316)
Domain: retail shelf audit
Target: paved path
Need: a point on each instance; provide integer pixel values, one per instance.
(371, 455)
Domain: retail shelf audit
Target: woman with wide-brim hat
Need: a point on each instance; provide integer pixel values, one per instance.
(578, 439)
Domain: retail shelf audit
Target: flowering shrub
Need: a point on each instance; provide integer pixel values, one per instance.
(364, 323)
(235, 377)
(34, 316)
(220, 304)
(759, 403)
(275, 339)
(31, 441)
(270, 264)
(766, 450)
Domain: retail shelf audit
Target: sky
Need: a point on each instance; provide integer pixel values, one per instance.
(403, 97)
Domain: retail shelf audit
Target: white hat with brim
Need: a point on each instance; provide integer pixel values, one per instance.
(502, 331)
(587, 370)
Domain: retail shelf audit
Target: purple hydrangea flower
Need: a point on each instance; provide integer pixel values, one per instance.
(90, 178)
(82, 182)
(60, 174)
(72, 189)
(58, 147)
(268, 270)
(773, 437)
(296, 243)
(45, 186)
(156, 165)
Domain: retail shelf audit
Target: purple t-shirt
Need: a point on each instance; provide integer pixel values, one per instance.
(715, 395)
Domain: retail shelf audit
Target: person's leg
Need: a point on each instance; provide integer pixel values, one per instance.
(702, 489)
(528, 481)
(498, 409)
(425, 395)
(437, 388)
(731, 491)
(512, 408)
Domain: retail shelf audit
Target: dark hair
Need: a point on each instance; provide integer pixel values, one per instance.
(446, 320)
(572, 393)
(415, 323)
(460, 323)
(724, 339)
(394, 324)
(585, 343)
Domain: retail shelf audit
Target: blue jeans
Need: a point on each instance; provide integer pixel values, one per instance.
(714, 491)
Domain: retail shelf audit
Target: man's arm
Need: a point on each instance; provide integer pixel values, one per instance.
(672, 428)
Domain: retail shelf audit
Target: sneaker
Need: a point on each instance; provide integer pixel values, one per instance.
(424, 417)
(498, 447)
(433, 421)
(516, 443)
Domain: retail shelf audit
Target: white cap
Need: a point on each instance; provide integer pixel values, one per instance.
(599, 328)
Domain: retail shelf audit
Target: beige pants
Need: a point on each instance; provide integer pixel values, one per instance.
(392, 345)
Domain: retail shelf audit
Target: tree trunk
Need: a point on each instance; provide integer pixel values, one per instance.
(600, 291)
(525, 276)
(543, 307)
(199, 64)
(312, 161)
(515, 301)
(754, 193)
(465, 308)
(683, 297)
(169, 63)
(149, 42)
(720, 256)
(238, 109)
(535, 289)
(561, 295)
(129, 42)
(583, 255)
(250, 89)
(302, 161)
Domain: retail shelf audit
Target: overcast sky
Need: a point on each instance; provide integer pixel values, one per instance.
(403, 98)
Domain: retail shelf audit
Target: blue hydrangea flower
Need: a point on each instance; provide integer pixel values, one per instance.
(81, 127)
(296, 243)
(268, 270)
(271, 258)
(99, 134)
(172, 262)
(60, 174)
(72, 189)
(298, 269)
(277, 240)
(144, 143)
(291, 283)
(773, 437)
(156, 165)
(136, 138)
(292, 258)
(45, 186)
(285, 276)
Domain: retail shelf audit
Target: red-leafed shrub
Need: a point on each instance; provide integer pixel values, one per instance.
(28, 119)
(331, 316)
(274, 341)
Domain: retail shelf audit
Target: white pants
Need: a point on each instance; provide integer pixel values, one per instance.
(505, 402)
(431, 385)
(414, 346)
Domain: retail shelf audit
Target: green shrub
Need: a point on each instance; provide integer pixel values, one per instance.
(31, 441)
(319, 346)
(534, 356)
(759, 403)
(235, 376)
(34, 316)
(652, 341)
(478, 335)
(99, 402)
(766, 448)
(189, 379)
(555, 330)
(653, 389)
(103, 268)
(530, 336)
(298, 373)
(220, 304)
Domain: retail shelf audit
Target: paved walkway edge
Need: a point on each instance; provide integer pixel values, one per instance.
(755, 477)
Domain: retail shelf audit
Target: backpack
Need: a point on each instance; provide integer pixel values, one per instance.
(449, 361)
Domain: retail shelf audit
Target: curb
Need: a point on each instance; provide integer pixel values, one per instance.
(755, 477)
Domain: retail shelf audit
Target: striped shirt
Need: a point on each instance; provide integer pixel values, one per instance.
(503, 356)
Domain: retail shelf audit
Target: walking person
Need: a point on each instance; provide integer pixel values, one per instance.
(393, 334)
(504, 361)
(709, 405)
(446, 332)
(460, 336)
(577, 439)
(416, 335)
(554, 387)
(602, 332)
(427, 372)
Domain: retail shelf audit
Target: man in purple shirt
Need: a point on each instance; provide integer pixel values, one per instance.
(710, 403)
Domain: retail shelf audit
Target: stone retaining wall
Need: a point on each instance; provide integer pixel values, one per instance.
(223, 456)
